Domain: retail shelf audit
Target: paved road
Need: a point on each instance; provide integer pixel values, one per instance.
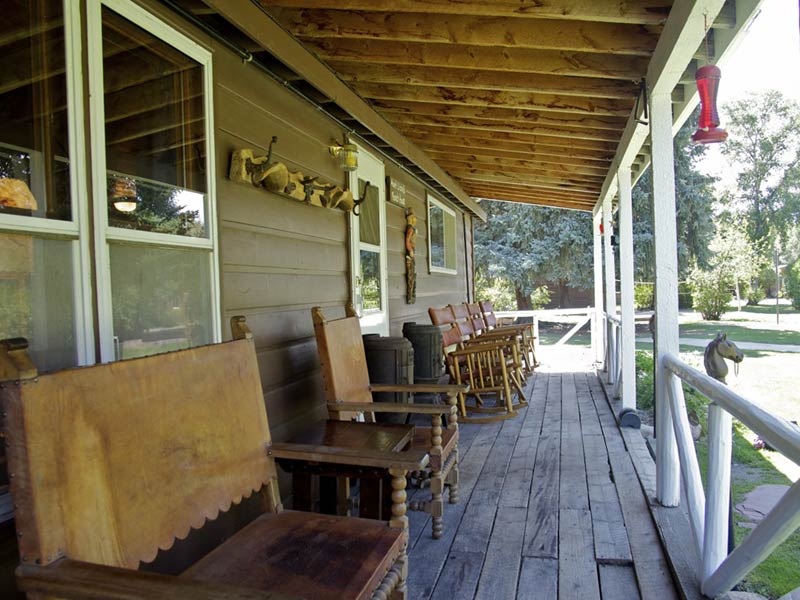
(742, 345)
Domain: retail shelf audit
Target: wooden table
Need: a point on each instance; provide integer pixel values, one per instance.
(368, 438)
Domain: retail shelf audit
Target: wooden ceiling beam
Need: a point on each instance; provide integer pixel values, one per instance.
(551, 188)
(520, 81)
(532, 199)
(529, 196)
(510, 148)
(506, 32)
(591, 137)
(531, 175)
(443, 153)
(518, 188)
(635, 12)
(554, 168)
(555, 171)
(579, 64)
(470, 97)
(509, 115)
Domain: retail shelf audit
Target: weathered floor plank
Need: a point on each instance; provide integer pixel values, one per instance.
(610, 538)
(538, 578)
(550, 508)
(517, 485)
(541, 529)
(577, 569)
(500, 572)
(650, 564)
(618, 582)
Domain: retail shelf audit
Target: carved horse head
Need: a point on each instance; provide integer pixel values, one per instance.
(717, 350)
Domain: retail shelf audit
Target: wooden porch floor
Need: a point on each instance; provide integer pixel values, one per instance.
(550, 507)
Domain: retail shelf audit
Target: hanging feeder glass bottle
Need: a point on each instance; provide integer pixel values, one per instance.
(708, 131)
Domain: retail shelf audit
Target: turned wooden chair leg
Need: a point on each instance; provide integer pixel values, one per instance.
(452, 479)
(399, 520)
(437, 481)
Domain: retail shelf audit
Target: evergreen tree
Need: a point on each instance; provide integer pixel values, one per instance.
(527, 245)
(694, 200)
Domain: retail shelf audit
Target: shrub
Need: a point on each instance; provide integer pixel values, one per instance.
(644, 380)
(792, 283)
(497, 291)
(643, 295)
(685, 295)
(755, 294)
(540, 297)
(711, 292)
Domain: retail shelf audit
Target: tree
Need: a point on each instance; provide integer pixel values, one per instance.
(526, 245)
(734, 253)
(694, 199)
(764, 148)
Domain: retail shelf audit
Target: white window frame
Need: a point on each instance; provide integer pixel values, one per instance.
(76, 229)
(448, 240)
(105, 233)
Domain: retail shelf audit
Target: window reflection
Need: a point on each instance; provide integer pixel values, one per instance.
(155, 132)
(370, 280)
(34, 140)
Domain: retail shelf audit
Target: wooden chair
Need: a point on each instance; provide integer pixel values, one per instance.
(525, 330)
(484, 367)
(473, 324)
(113, 462)
(349, 395)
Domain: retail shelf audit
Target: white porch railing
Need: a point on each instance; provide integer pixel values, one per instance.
(709, 514)
(553, 315)
(613, 352)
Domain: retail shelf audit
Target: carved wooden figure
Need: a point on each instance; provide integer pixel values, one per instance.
(411, 268)
(113, 462)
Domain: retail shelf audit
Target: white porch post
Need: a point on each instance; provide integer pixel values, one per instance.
(598, 331)
(666, 250)
(611, 288)
(628, 337)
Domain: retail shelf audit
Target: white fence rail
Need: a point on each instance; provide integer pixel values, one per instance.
(553, 315)
(709, 514)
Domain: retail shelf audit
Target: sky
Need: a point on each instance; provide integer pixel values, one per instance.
(768, 57)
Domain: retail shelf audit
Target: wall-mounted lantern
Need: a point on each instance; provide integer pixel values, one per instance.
(347, 154)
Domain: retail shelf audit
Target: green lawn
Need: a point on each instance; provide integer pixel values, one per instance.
(707, 330)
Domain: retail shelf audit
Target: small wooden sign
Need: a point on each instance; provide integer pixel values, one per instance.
(396, 192)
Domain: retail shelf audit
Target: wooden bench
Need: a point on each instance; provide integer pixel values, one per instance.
(111, 463)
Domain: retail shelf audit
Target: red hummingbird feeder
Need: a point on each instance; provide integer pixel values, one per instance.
(708, 131)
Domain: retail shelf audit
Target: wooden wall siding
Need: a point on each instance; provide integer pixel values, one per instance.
(279, 257)
(433, 289)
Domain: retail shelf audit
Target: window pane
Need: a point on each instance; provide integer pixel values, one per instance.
(36, 298)
(34, 140)
(369, 214)
(370, 280)
(450, 240)
(155, 132)
(436, 216)
(161, 299)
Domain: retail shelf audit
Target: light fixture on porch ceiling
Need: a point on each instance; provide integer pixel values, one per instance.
(123, 194)
(347, 154)
(707, 79)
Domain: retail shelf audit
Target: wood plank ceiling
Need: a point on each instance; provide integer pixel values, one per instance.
(518, 100)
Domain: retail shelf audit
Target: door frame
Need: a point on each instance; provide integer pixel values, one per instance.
(370, 167)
